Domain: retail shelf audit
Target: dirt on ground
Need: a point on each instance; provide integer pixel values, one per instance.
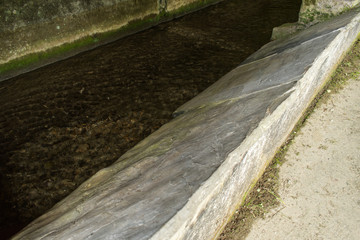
(311, 190)
(62, 123)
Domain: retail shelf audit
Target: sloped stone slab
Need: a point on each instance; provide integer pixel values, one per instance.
(185, 180)
(276, 69)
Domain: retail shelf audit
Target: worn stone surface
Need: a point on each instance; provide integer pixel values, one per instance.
(186, 179)
(284, 66)
(286, 30)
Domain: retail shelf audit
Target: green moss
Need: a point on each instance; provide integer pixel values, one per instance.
(310, 16)
(37, 57)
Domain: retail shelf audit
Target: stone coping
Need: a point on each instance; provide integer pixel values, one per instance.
(185, 180)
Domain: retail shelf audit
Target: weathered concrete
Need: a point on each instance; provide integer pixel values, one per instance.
(28, 27)
(185, 180)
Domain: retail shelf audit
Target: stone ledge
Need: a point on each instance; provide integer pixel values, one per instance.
(186, 179)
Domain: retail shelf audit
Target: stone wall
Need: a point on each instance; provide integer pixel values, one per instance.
(314, 11)
(33, 26)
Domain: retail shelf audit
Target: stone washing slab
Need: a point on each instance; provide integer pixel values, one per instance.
(276, 69)
(186, 179)
(278, 59)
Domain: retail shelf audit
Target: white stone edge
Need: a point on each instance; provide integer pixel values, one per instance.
(209, 208)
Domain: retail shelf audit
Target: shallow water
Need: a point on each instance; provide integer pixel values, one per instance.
(62, 123)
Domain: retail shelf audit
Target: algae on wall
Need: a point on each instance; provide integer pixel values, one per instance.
(33, 31)
(33, 26)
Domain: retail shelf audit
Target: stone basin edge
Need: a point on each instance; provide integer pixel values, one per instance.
(213, 203)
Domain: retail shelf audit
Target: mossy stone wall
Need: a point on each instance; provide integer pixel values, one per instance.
(31, 27)
(37, 25)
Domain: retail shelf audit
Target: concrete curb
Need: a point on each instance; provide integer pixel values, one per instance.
(185, 180)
